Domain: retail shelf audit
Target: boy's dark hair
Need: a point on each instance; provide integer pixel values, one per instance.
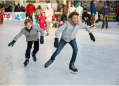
(73, 13)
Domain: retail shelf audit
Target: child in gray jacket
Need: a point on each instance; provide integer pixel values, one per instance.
(69, 30)
(31, 33)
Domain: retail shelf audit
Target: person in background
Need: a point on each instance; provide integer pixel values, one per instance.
(29, 10)
(42, 19)
(105, 12)
(79, 10)
(3, 11)
(18, 9)
(117, 13)
(71, 9)
(6, 9)
(93, 13)
(86, 17)
(22, 9)
(59, 8)
(1, 14)
(48, 14)
(37, 12)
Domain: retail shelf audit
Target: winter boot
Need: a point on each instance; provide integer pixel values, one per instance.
(48, 63)
(72, 67)
(26, 62)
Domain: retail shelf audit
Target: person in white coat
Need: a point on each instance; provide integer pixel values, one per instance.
(48, 14)
(71, 9)
(79, 10)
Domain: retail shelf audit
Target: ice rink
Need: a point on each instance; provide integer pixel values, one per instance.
(97, 62)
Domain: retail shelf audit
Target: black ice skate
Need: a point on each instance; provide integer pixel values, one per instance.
(72, 67)
(26, 62)
(34, 57)
(48, 63)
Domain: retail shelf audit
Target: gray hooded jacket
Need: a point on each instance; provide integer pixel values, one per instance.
(69, 31)
(32, 35)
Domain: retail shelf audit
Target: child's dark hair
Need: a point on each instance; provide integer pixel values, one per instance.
(73, 13)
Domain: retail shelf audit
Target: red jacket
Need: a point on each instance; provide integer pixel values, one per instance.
(30, 9)
(117, 12)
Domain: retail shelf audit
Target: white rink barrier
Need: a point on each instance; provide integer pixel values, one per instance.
(14, 16)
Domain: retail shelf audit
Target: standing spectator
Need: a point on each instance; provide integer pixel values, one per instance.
(93, 12)
(59, 8)
(3, 11)
(48, 14)
(117, 13)
(18, 9)
(0, 5)
(71, 9)
(6, 9)
(22, 9)
(105, 12)
(37, 12)
(1, 14)
(86, 17)
(79, 10)
(29, 10)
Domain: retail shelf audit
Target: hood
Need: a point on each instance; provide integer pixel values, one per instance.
(72, 22)
(79, 4)
(92, 3)
(105, 6)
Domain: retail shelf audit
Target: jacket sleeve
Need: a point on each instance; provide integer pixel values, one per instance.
(40, 30)
(19, 35)
(84, 26)
(60, 29)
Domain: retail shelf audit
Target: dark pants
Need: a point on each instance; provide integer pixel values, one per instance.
(29, 46)
(118, 18)
(92, 19)
(30, 16)
(105, 18)
(37, 21)
(62, 43)
(88, 22)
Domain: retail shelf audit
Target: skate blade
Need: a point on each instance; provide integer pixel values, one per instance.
(72, 72)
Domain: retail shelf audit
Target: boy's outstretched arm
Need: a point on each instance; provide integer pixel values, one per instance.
(15, 38)
(88, 30)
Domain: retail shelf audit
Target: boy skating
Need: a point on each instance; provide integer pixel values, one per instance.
(31, 33)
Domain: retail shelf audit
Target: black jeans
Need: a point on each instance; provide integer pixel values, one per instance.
(105, 18)
(88, 22)
(29, 46)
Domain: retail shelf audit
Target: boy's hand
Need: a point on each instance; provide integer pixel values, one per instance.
(41, 39)
(92, 37)
(11, 43)
(56, 43)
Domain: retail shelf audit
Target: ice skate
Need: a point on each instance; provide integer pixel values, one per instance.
(26, 62)
(34, 57)
(72, 67)
(48, 63)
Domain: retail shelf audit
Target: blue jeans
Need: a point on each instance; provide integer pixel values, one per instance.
(88, 21)
(37, 21)
(62, 43)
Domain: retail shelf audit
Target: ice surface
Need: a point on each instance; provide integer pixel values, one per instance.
(97, 62)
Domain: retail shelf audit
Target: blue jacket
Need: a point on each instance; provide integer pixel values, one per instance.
(93, 10)
(105, 10)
